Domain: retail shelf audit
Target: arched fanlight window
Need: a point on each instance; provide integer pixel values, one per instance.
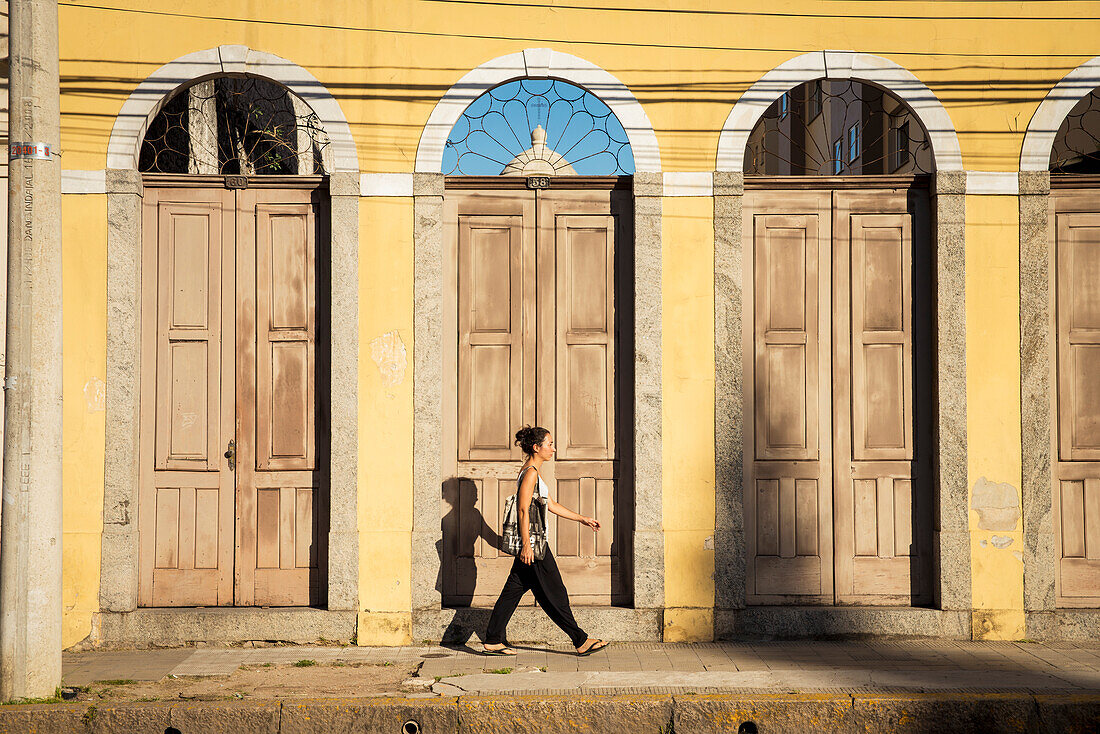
(838, 127)
(1077, 145)
(234, 125)
(538, 127)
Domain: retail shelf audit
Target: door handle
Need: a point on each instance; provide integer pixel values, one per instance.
(231, 454)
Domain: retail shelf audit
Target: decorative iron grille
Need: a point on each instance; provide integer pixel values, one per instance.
(838, 127)
(538, 126)
(234, 125)
(1076, 147)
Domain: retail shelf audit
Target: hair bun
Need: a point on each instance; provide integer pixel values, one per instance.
(528, 437)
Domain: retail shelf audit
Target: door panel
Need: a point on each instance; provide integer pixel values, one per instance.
(286, 298)
(534, 327)
(490, 352)
(786, 339)
(788, 503)
(185, 500)
(279, 548)
(883, 498)
(1078, 280)
(585, 316)
(1076, 276)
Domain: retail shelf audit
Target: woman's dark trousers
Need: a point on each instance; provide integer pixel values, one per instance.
(543, 578)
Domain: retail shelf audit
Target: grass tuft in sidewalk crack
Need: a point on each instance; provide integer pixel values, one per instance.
(501, 671)
(305, 663)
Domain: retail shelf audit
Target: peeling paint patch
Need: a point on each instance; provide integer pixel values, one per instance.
(95, 395)
(708, 542)
(388, 353)
(997, 505)
(1001, 541)
(1019, 556)
(983, 542)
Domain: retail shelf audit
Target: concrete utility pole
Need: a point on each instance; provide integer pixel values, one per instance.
(30, 546)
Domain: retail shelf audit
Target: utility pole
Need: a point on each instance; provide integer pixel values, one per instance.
(30, 544)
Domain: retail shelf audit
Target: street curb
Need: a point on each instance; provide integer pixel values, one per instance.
(636, 714)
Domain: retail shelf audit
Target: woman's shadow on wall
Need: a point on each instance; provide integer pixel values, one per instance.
(464, 526)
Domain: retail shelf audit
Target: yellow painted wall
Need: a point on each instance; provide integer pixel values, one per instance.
(993, 407)
(388, 63)
(84, 372)
(385, 421)
(687, 382)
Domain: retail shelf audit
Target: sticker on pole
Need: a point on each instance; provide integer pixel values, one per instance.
(40, 151)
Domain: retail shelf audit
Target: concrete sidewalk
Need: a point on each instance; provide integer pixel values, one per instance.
(654, 668)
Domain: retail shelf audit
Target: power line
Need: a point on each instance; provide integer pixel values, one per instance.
(757, 13)
(571, 41)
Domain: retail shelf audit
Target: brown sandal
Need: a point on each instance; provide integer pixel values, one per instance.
(596, 647)
(504, 651)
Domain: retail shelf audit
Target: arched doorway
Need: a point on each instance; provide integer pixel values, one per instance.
(233, 466)
(538, 329)
(837, 356)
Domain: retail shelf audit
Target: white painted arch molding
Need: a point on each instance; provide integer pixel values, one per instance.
(538, 63)
(147, 99)
(838, 65)
(1052, 112)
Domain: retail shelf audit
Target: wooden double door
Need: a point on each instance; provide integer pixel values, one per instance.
(837, 328)
(534, 335)
(1075, 271)
(232, 503)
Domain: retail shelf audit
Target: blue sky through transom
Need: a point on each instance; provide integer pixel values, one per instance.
(497, 126)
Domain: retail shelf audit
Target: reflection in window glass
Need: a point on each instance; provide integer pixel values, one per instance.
(234, 125)
(1076, 147)
(900, 145)
(796, 135)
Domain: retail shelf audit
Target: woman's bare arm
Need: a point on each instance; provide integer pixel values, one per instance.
(563, 511)
(523, 514)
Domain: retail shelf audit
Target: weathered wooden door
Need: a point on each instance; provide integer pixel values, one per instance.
(534, 342)
(832, 515)
(1076, 429)
(232, 502)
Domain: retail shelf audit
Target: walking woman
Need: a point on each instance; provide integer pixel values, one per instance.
(540, 576)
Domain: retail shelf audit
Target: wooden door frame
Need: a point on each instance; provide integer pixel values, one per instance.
(430, 618)
(511, 198)
(950, 615)
(119, 562)
(833, 204)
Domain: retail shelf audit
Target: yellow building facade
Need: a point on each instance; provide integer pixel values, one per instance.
(991, 84)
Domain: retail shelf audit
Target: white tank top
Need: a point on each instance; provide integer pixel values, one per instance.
(541, 490)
